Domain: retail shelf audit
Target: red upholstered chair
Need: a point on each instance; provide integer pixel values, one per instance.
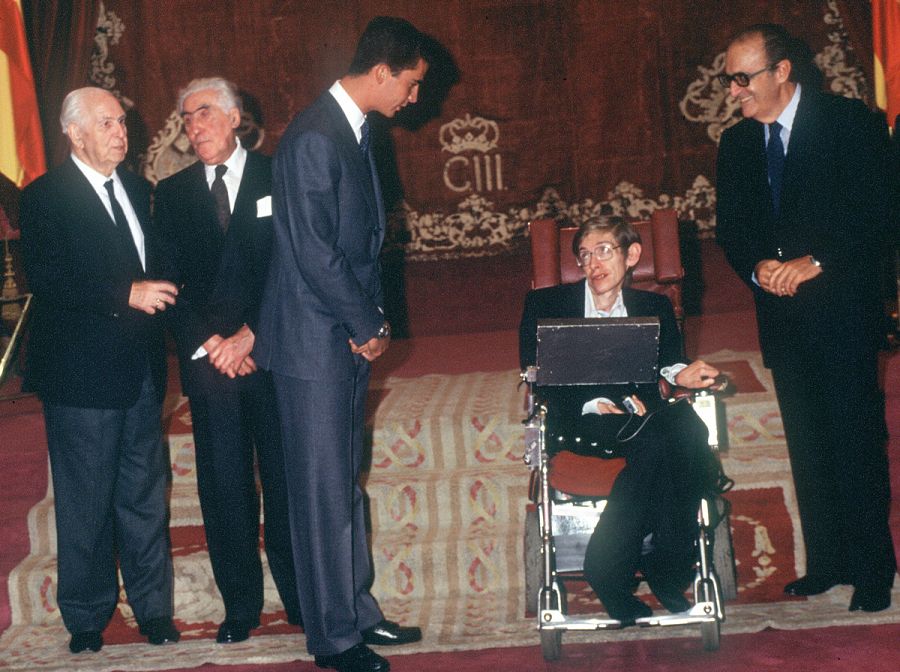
(659, 270)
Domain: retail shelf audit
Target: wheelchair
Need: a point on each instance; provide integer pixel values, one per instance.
(561, 523)
(568, 491)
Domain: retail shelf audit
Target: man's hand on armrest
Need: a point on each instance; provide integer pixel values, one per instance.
(697, 375)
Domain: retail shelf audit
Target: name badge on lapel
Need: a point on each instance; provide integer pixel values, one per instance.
(264, 207)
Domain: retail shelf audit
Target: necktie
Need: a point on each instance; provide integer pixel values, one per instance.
(220, 193)
(775, 163)
(126, 240)
(364, 139)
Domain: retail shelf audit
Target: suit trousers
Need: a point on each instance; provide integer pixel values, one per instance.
(833, 415)
(668, 468)
(110, 470)
(323, 425)
(231, 427)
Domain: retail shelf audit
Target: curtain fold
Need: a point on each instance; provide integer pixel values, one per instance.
(61, 38)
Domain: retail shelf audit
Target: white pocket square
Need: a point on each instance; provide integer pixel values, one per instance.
(264, 207)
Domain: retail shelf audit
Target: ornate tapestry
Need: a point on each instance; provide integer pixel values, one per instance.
(532, 108)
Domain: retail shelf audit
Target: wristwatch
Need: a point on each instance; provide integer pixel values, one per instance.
(385, 331)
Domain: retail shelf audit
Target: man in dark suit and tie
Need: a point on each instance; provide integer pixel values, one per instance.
(321, 325)
(96, 358)
(802, 208)
(217, 216)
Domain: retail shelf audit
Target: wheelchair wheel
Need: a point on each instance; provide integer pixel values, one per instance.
(710, 632)
(534, 571)
(723, 552)
(551, 644)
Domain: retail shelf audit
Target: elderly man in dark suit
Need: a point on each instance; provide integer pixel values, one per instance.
(802, 205)
(96, 358)
(321, 325)
(650, 520)
(217, 216)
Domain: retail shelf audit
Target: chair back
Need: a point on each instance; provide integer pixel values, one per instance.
(659, 269)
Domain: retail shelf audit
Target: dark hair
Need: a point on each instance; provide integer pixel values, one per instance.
(624, 233)
(780, 45)
(390, 40)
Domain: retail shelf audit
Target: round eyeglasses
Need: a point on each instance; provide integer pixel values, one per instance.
(602, 252)
(742, 79)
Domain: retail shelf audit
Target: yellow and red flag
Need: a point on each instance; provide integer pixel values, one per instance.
(21, 142)
(886, 46)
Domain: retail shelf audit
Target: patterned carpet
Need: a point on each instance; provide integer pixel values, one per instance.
(447, 493)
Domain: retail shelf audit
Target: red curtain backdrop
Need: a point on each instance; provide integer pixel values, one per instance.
(609, 103)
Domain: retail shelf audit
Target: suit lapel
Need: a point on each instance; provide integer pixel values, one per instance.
(97, 223)
(799, 148)
(248, 193)
(363, 173)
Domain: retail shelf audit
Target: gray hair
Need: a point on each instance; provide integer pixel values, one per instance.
(73, 107)
(226, 92)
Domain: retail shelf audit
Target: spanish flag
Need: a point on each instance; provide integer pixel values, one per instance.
(21, 143)
(886, 45)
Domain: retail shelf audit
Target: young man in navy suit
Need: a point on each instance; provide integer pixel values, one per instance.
(802, 210)
(321, 325)
(217, 217)
(96, 359)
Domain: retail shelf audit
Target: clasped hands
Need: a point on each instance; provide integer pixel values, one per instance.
(696, 375)
(231, 356)
(783, 278)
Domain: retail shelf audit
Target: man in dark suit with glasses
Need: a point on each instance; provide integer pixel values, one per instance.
(802, 210)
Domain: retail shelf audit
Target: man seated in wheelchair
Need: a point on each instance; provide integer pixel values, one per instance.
(650, 519)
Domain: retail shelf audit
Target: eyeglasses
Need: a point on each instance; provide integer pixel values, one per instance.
(741, 78)
(602, 252)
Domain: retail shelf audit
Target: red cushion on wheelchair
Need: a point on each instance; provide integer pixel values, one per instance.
(582, 475)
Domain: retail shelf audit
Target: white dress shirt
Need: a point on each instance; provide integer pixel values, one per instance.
(232, 177)
(350, 109)
(97, 180)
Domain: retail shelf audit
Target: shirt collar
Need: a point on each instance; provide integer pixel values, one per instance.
(350, 109)
(95, 177)
(618, 308)
(786, 118)
(235, 164)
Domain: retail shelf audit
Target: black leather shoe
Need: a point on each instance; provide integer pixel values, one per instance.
(359, 658)
(82, 641)
(234, 631)
(669, 596)
(160, 631)
(812, 585)
(627, 611)
(870, 599)
(388, 633)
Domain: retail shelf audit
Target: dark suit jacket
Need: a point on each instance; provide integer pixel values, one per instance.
(833, 206)
(567, 301)
(324, 284)
(87, 347)
(222, 274)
